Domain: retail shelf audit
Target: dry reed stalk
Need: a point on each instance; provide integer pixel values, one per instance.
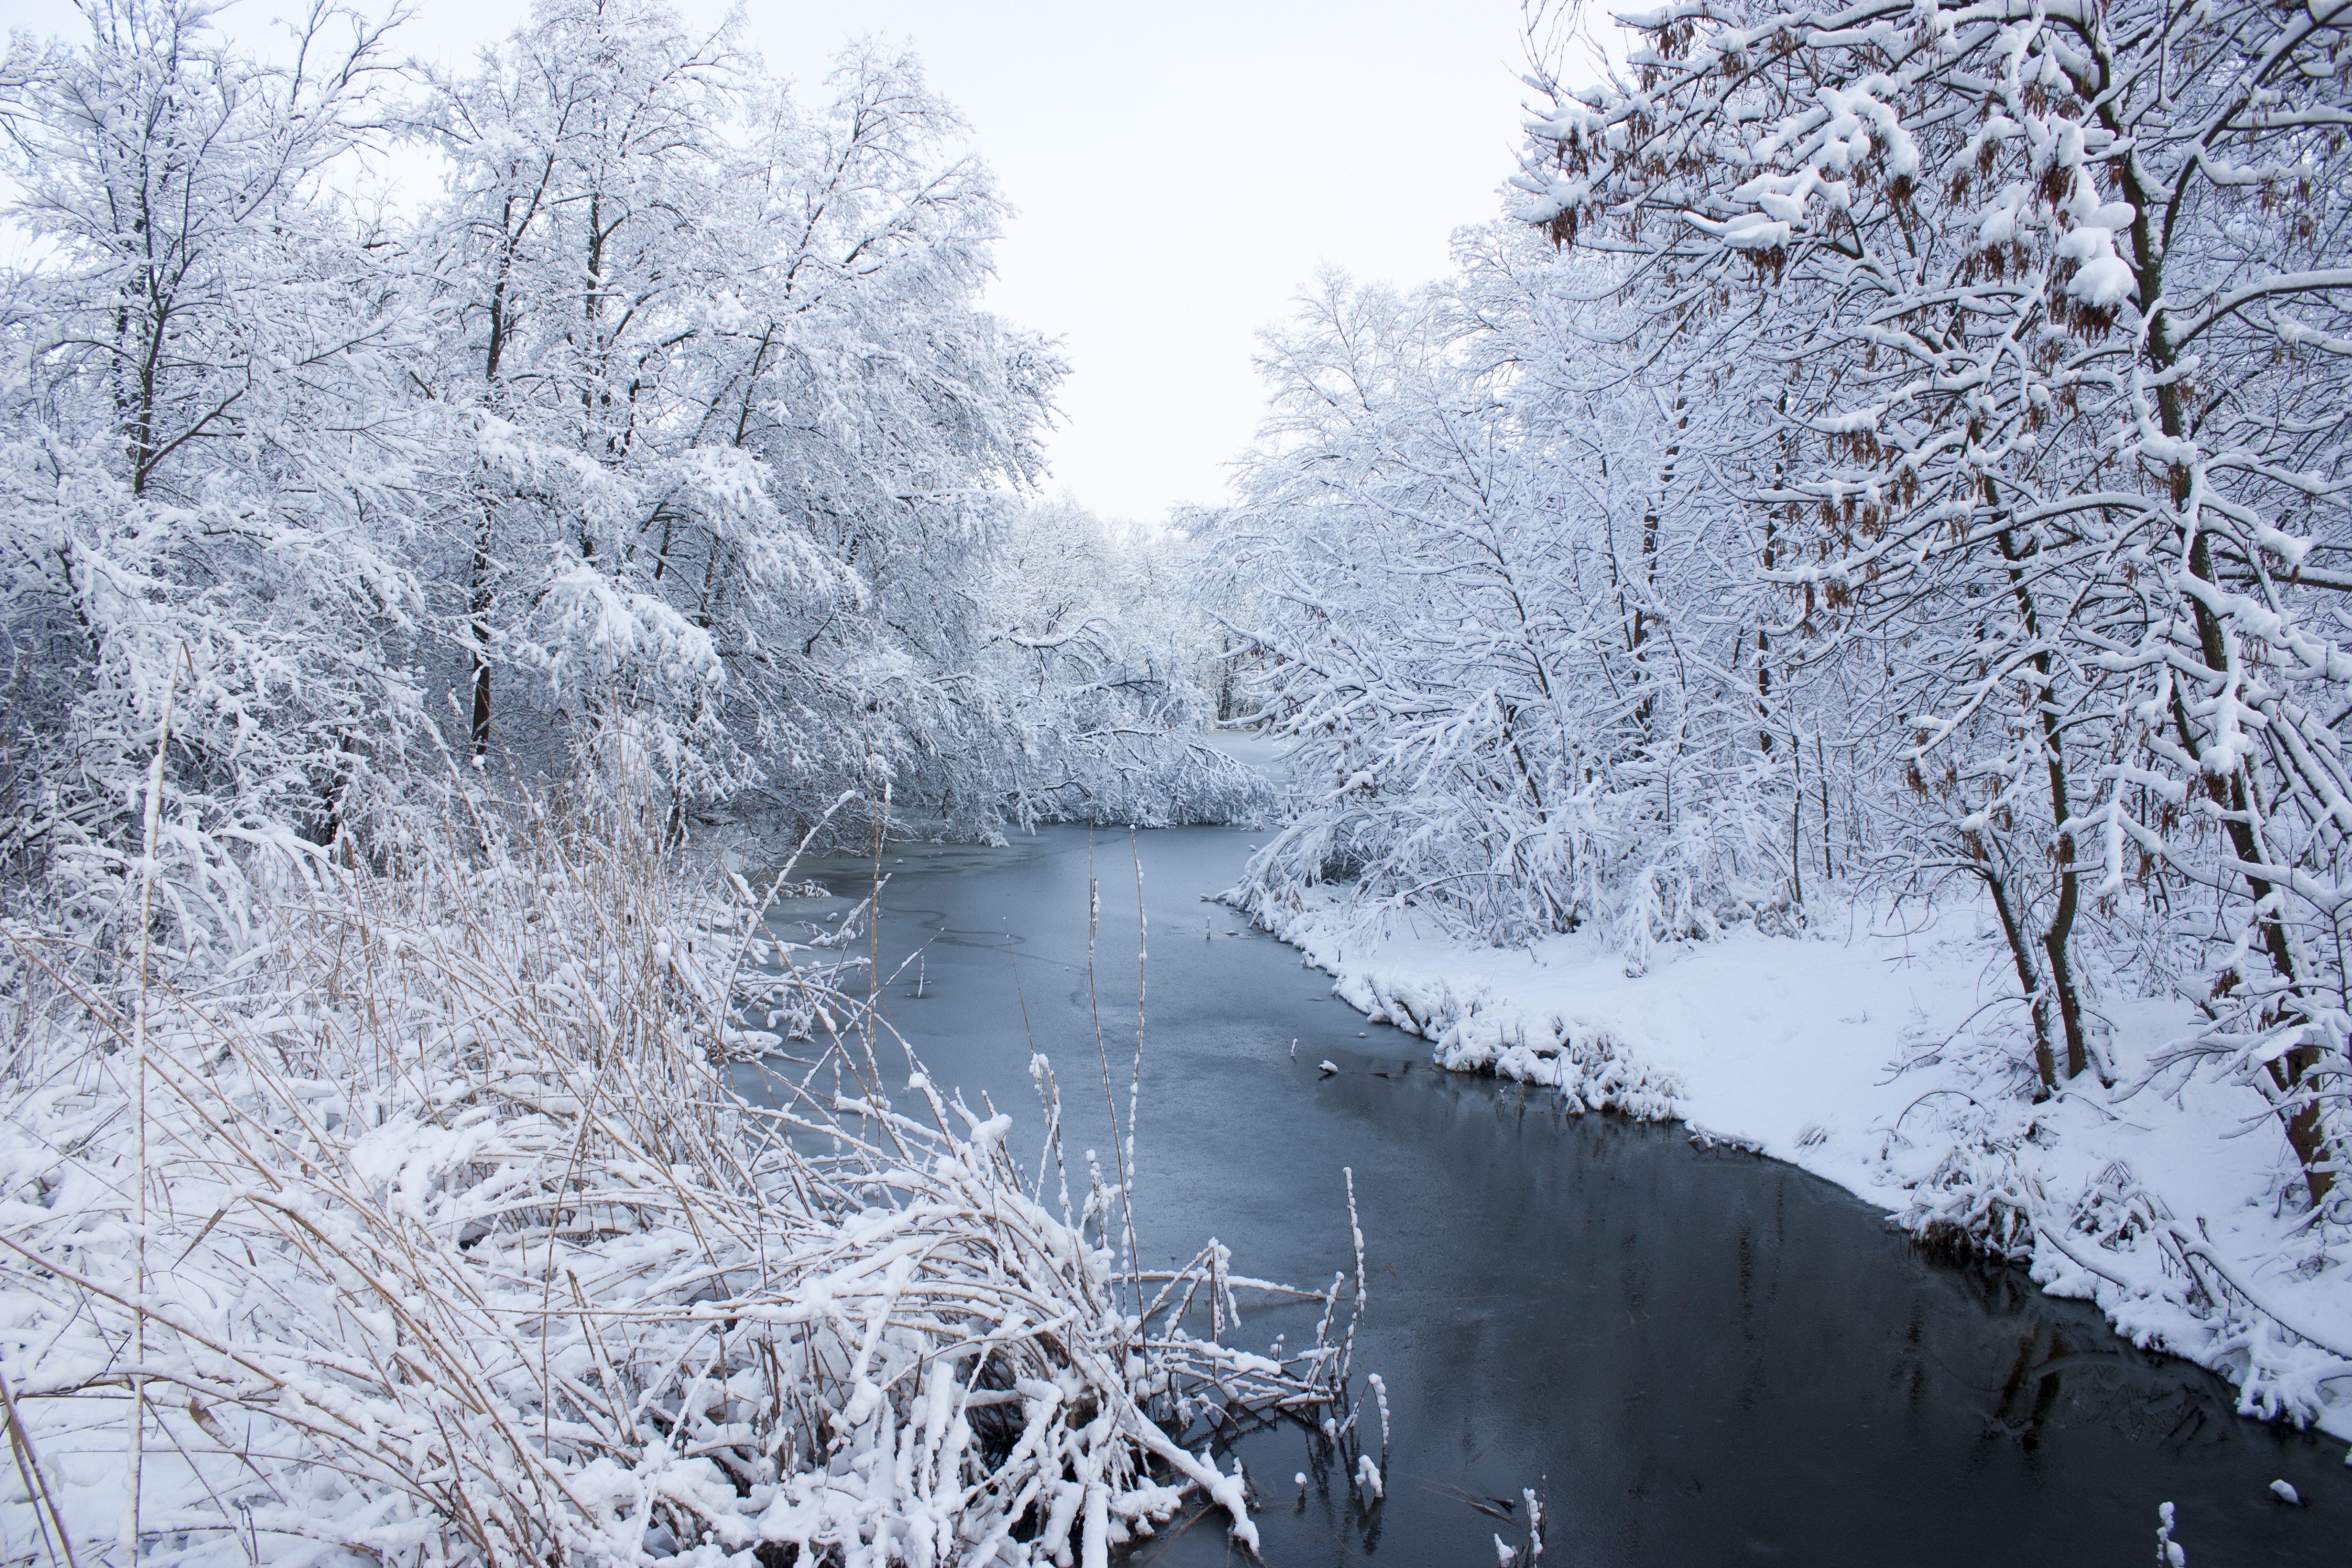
(475, 1253)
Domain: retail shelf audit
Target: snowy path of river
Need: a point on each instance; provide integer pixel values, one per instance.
(1699, 1357)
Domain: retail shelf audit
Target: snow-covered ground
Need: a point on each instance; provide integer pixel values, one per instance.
(1878, 1055)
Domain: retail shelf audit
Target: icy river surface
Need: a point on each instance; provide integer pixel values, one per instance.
(1697, 1357)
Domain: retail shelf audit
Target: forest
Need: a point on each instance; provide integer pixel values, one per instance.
(1888, 458)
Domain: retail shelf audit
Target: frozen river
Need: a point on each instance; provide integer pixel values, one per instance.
(1698, 1357)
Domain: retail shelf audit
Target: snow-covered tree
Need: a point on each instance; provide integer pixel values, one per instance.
(2056, 296)
(585, 234)
(1498, 632)
(671, 431)
(1098, 663)
(742, 435)
(209, 445)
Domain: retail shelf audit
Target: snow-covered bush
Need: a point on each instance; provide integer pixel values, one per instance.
(429, 1224)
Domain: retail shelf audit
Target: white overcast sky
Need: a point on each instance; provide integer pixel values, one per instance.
(1181, 170)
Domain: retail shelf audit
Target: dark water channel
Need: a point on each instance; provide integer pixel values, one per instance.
(1698, 1357)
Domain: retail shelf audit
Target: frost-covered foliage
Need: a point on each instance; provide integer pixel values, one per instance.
(207, 451)
(426, 1224)
(1913, 435)
(1104, 668)
(2057, 298)
(1499, 624)
(674, 416)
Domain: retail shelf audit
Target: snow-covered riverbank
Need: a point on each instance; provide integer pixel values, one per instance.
(1875, 1054)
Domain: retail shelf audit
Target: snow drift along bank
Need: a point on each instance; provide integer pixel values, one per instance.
(1870, 1056)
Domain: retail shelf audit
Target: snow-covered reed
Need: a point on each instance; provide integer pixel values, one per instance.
(428, 1227)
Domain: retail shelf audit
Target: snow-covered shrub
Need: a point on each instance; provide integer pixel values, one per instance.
(429, 1224)
(1975, 1201)
(2169, 1285)
(1996, 1176)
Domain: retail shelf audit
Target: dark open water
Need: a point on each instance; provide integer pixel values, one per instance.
(1698, 1357)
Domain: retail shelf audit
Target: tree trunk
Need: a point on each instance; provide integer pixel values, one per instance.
(2056, 939)
(2307, 1132)
(2020, 950)
(478, 600)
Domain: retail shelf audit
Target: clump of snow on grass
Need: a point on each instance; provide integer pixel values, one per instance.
(1471, 1029)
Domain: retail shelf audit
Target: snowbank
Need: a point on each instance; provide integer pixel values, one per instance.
(1879, 1056)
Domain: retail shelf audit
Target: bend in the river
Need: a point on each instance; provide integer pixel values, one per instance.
(1698, 1357)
